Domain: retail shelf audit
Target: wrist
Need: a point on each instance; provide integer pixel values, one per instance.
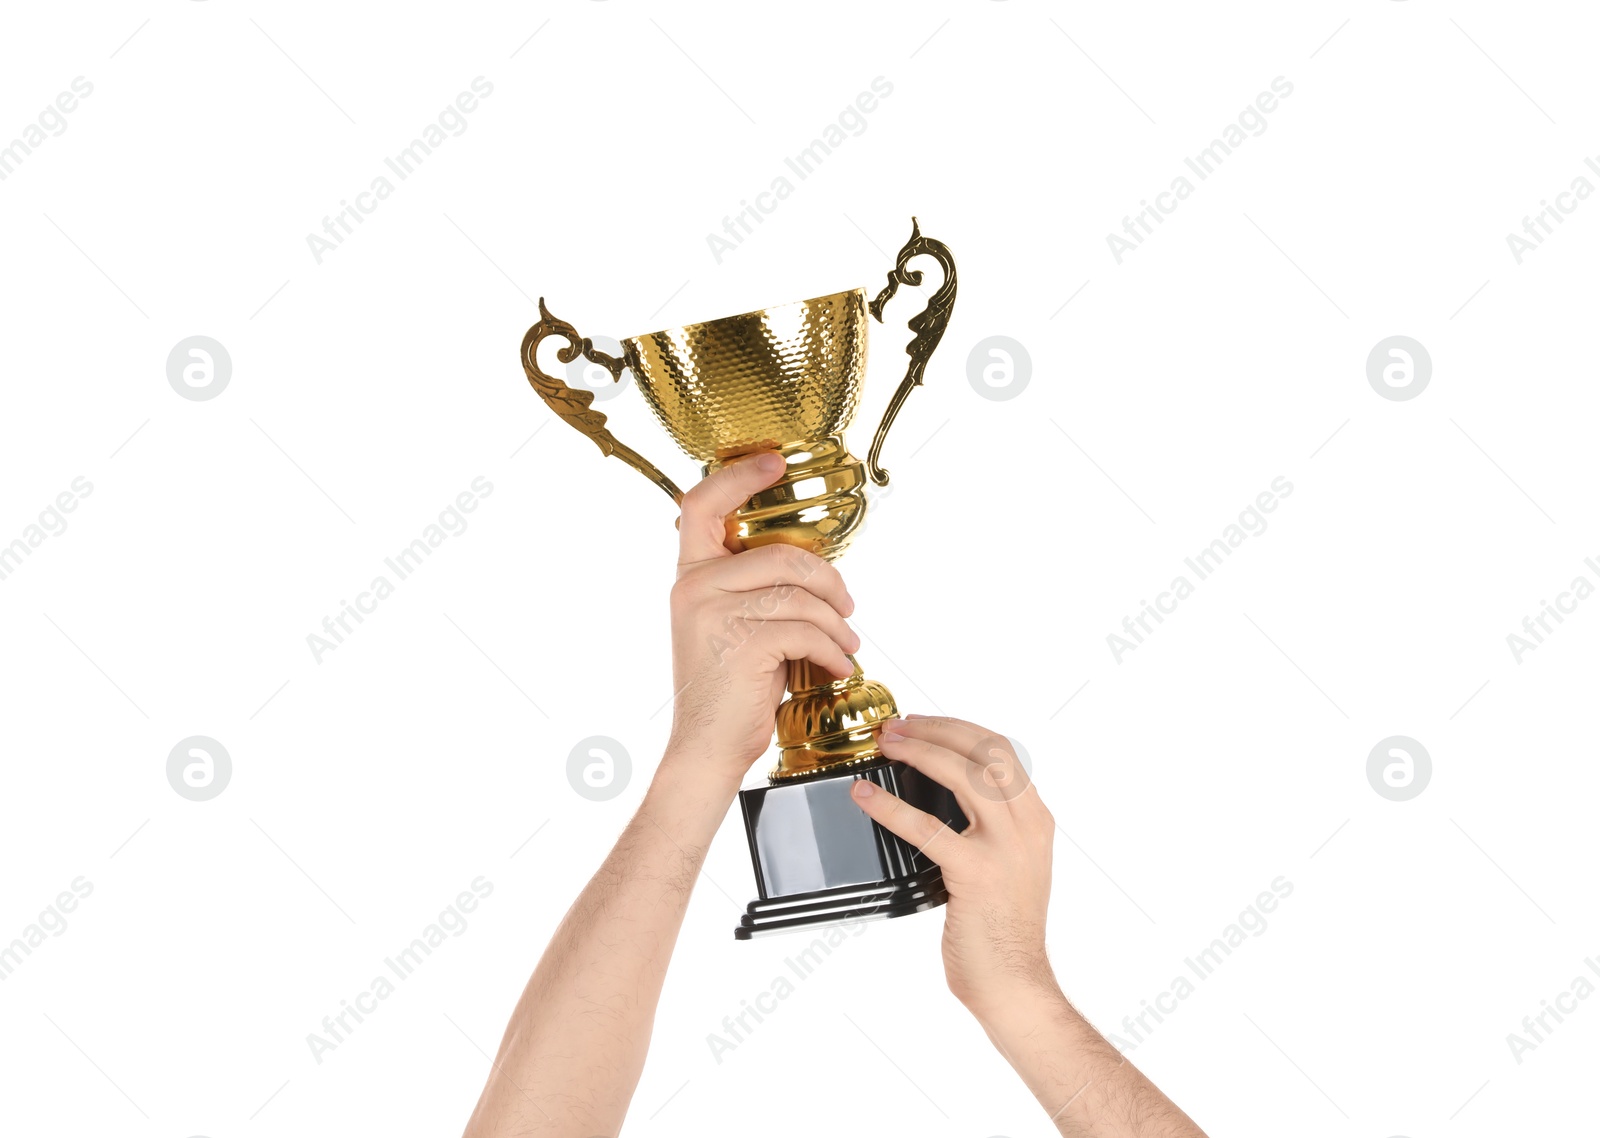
(687, 804)
(692, 771)
(1019, 1003)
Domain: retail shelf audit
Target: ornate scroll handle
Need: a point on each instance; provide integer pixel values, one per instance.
(929, 326)
(573, 404)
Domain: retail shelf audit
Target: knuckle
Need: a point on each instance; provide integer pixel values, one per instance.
(822, 614)
(815, 573)
(802, 559)
(688, 594)
(762, 609)
(694, 499)
(785, 563)
(805, 564)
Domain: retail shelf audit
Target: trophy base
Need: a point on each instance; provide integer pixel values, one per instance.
(848, 905)
(819, 860)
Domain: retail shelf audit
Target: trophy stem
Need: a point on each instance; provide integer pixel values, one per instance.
(805, 676)
(828, 724)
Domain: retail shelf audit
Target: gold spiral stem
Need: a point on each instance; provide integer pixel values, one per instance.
(828, 723)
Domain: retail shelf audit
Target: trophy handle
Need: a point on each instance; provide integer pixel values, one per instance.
(573, 404)
(929, 326)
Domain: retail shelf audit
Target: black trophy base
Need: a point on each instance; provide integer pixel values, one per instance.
(819, 860)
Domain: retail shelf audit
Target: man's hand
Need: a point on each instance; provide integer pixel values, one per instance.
(738, 618)
(576, 1042)
(998, 873)
(997, 870)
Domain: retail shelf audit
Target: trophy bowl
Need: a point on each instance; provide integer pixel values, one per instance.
(758, 380)
(786, 379)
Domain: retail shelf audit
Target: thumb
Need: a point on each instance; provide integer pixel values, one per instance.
(702, 530)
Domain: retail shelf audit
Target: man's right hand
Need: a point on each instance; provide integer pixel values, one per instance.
(738, 618)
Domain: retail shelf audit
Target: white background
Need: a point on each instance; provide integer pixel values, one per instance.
(370, 389)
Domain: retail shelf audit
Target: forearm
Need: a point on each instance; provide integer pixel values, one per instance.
(1088, 1088)
(576, 1043)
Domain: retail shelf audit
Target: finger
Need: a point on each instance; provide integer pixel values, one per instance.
(929, 835)
(993, 770)
(800, 640)
(702, 533)
(978, 744)
(945, 767)
(779, 565)
(791, 603)
(947, 731)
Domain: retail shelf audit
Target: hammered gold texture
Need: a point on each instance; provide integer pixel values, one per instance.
(763, 380)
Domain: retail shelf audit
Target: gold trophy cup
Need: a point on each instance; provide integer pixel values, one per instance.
(785, 379)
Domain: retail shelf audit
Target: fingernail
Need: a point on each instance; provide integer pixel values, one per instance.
(863, 788)
(770, 463)
(914, 715)
(889, 736)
